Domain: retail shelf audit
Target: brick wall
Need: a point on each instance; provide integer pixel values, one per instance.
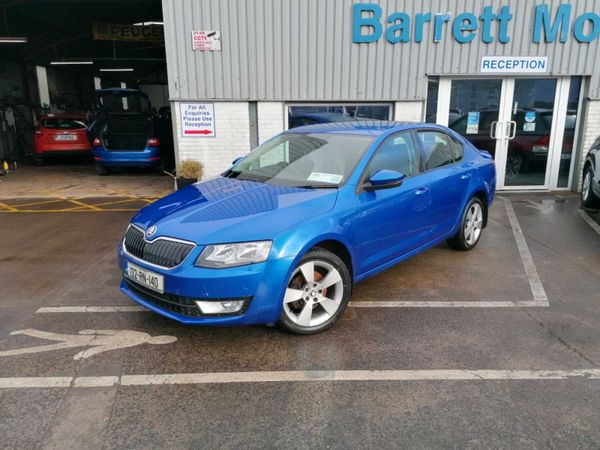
(232, 138)
(271, 119)
(591, 132)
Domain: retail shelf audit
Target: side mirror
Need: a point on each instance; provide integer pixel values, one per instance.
(384, 179)
(236, 160)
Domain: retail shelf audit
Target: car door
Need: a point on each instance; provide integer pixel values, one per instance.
(449, 178)
(393, 221)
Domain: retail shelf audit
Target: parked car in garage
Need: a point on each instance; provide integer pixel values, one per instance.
(590, 190)
(288, 230)
(60, 135)
(125, 133)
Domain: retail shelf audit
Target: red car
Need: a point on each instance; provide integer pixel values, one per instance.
(61, 135)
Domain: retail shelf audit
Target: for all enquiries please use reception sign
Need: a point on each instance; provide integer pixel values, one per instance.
(197, 119)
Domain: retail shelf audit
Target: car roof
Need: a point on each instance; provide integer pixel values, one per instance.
(363, 127)
(326, 116)
(63, 116)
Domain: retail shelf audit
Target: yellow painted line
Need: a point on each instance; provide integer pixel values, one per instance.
(116, 202)
(9, 208)
(74, 202)
(44, 202)
(72, 210)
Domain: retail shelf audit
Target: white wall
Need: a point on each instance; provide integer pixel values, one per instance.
(232, 138)
(409, 111)
(271, 119)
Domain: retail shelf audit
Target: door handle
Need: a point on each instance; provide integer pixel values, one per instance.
(464, 176)
(512, 129)
(493, 128)
(421, 191)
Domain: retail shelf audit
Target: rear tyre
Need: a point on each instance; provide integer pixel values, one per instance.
(588, 198)
(316, 294)
(471, 227)
(102, 170)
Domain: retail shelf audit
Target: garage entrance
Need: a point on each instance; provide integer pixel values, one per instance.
(54, 59)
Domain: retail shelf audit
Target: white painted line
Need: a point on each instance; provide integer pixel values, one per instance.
(442, 304)
(537, 289)
(297, 376)
(35, 382)
(358, 304)
(589, 220)
(91, 309)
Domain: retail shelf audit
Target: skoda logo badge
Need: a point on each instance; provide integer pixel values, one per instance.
(150, 231)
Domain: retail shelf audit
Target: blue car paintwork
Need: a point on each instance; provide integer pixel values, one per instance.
(148, 157)
(379, 228)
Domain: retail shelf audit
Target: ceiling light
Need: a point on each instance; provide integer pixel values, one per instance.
(126, 69)
(147, 23)
(66, 63)
(13, 40)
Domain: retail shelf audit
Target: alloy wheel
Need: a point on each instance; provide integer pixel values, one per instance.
(513, 166)
(587, 184)
(473, 224)
(314, 294)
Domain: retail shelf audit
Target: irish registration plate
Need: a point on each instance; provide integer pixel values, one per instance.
(146, 278)
(66, 137)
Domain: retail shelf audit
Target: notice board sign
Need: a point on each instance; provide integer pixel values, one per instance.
(197, 119)
(206, 40)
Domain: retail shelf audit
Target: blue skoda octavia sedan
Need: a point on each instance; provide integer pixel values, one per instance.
(285, 233)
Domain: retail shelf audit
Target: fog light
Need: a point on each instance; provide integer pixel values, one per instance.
(220, 307)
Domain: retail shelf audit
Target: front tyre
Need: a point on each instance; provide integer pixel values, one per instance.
(317, 293)
(588, 198)
(470, 228)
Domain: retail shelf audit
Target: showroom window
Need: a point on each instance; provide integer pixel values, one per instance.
(436, 149)
(300, 115)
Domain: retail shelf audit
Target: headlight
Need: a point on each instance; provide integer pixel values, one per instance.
(232, 255)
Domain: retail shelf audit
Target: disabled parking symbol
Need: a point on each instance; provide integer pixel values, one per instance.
(99, 341)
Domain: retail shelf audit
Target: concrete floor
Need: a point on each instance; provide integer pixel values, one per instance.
(58, 260)
(77, 178)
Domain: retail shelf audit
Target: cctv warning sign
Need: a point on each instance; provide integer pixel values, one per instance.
(206, 40)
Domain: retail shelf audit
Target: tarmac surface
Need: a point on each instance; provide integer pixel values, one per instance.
(494, 348)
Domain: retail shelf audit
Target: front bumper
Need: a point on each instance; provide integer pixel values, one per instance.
(261, 285)
(149, 156)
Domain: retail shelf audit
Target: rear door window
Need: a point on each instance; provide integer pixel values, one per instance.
(436, 149)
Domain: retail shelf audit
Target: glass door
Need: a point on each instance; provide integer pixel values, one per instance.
(524, 123)
(530, 126)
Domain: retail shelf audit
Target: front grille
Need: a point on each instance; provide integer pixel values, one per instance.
(185, 306)
(161, 252)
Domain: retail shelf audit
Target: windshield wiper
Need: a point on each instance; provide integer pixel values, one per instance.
(317, 186)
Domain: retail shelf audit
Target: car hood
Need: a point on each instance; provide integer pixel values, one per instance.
(229, 210)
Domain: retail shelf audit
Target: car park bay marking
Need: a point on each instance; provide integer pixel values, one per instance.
(589, 220)
(301, 376)
(539, 294)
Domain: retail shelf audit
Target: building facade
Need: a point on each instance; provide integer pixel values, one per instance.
(520, 79)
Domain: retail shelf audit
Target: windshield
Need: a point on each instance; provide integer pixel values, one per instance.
(63, 123)
(303, 160)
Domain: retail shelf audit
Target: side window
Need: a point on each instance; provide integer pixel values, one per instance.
(436, 149)
(396, 153)
(457, 149)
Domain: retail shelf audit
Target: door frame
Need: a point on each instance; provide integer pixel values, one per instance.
(561, 98)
